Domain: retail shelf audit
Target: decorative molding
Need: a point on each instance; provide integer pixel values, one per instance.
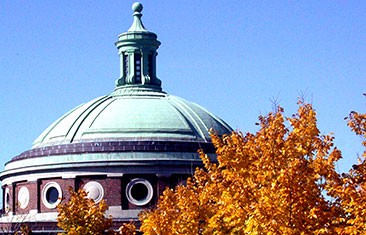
(94, 191)
(23, 197)
(116, 146)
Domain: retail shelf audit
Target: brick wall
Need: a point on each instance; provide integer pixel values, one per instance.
(65, 184)
(111, 186)
(113, 191)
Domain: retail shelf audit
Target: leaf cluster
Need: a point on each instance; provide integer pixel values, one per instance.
(280, 180)
(23, 230)
(81, 215)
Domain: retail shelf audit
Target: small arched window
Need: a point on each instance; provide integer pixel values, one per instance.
(151, 65)
(125, 65)
(138, 68)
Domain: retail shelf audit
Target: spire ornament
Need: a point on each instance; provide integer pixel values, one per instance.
(137, 24)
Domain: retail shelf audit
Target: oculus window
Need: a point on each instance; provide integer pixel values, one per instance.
(139, 192)
(51, 195)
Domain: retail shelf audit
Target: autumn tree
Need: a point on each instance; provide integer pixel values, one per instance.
(127, 229)
(350, 191)
(81, 215)
(23, 230)
(280, 180)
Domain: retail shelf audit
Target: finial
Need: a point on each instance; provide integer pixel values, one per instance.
(137, 25)
(137, 7)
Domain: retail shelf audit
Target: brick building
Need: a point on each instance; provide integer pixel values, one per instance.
(125, 147)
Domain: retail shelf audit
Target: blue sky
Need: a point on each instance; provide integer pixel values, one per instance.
(234, 58)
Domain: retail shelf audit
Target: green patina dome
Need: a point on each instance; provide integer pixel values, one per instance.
(138, 109)
(138, 121)
(142, 115)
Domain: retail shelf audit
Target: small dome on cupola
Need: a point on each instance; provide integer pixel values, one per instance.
(124, 147)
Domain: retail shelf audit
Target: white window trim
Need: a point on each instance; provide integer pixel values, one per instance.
(44, 195)
(97, 186)
(147, 184)
(23, 197)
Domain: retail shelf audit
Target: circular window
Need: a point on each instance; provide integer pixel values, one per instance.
(7, 200)
(94, 191)
(23, 197)
(139, 192)
(51, 195)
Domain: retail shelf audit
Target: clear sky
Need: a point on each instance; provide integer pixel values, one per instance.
(234, 58)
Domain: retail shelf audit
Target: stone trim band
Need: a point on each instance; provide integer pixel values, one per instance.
(116, 146)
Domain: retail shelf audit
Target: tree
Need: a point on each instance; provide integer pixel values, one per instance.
(23, 230)
(81, 215)
(350, 191)
(280, 180)
(127, 229)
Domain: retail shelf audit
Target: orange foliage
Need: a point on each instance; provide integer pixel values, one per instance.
(280, 180)
(81, 215)
(350, 192)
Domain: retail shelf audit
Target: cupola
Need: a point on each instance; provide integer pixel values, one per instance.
(137, 50)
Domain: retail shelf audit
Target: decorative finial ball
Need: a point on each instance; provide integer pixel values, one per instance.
(137, 7)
